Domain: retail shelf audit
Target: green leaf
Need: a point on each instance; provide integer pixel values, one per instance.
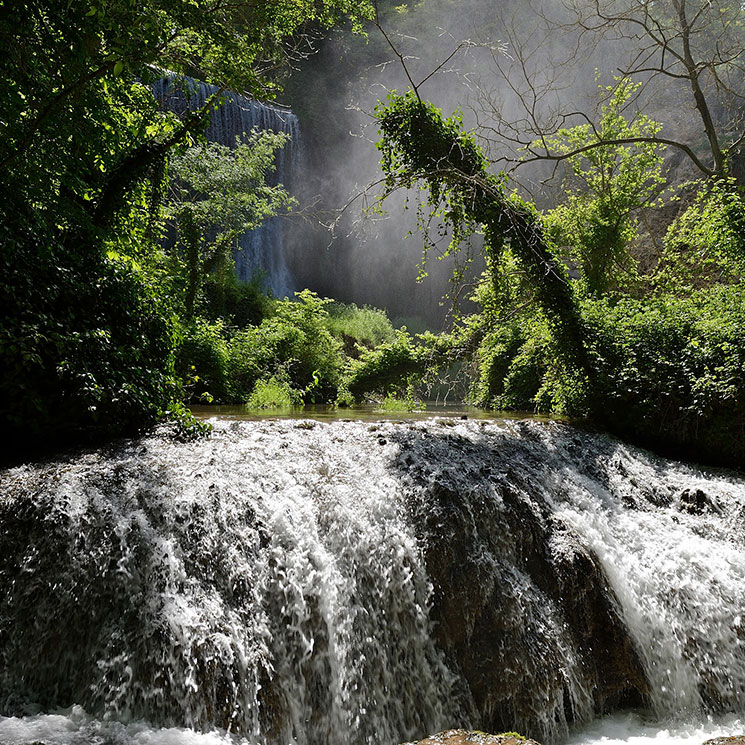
(118, 67)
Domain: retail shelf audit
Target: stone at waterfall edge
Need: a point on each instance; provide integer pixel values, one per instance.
(464, 737)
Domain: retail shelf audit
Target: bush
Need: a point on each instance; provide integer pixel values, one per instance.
(274, 393)
(402, 368)
(671, 371)
(706, 244)
(355, 326)
(291, 346)
(494, 358)
(237, 303)
(295, 340)
(86, 344)
(202, 361)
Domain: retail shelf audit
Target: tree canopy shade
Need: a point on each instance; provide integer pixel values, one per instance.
(86, 330)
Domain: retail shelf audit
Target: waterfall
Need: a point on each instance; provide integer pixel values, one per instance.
(260, 252)
(347, 582)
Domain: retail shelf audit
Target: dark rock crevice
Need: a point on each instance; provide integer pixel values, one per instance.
(522, 610)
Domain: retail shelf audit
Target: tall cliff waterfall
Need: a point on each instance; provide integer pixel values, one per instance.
(307, 583)
(260, 252)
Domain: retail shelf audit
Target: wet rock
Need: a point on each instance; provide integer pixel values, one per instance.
(464, 737)
(524, 613)
(732, 740)
(698, 502)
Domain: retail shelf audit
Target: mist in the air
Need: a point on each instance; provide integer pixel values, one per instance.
(509, 67)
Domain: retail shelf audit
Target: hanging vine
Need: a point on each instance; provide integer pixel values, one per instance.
(421, 148)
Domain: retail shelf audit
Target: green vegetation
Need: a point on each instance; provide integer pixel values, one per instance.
(119, 302)
(706, 244)
(92, 307)
(216, 194)
(302, 351)
(361, 326)
(659, 361)
(610, 181)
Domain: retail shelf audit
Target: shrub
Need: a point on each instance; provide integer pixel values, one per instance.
(706, 244)
(388, 369)
(274, 393)
(86, 343)
(236, 302)
(671, 371)
(355, 325)
(402, 368)
(202, 361)
(296, 340)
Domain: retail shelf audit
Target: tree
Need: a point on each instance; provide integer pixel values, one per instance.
(86, 323)
(610, 183)
(75, 104)
(662, 370)
(682, 52)
(216, 195)
(420, 146)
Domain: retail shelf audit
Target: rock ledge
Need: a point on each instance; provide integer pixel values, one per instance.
(464, 737)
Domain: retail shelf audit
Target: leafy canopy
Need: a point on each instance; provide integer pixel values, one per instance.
(217, 194)
(616, 170)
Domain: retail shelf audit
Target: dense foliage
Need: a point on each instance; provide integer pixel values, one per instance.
(89, 298)
(663, 367)
(86, 344)
(300, 352)
(119, 302)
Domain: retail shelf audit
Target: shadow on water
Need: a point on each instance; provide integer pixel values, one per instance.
(365, 412)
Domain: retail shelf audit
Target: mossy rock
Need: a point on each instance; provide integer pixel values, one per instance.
(732, 740)
(464, 737)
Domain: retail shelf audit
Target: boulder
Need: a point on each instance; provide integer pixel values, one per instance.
(522, 609)
(464, 737)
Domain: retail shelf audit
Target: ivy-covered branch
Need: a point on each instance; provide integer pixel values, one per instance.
(420, 146)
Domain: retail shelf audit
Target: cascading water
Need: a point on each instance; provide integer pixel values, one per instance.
(260, 252)
(347, 582)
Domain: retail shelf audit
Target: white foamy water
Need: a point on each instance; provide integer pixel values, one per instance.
(272, 586)
(632, 729)
(75, 727)
(675, 558)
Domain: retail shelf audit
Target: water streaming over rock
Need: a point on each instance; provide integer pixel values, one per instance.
(261, 252)
(348, 582)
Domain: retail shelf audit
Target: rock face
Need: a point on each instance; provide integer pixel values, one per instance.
(523, 611)
(298, 581)
(733, 740)
(464, 737)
